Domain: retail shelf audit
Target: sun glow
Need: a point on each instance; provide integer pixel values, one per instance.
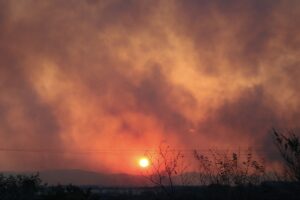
(144, 162)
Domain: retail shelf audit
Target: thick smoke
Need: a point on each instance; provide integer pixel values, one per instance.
(126, 75)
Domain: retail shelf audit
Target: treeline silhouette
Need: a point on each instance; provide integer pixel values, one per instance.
(30, 187)
(221, 175)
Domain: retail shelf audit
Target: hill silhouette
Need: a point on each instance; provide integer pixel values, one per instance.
(83, 177)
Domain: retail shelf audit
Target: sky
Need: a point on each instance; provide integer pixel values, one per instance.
(93, 84)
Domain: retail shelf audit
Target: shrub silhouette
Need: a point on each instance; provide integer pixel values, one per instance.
(229, 169)
(288, 145)
(69, 192)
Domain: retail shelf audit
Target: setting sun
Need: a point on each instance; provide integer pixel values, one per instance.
(144, 162)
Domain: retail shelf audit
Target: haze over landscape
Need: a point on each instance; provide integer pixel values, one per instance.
(94, 84)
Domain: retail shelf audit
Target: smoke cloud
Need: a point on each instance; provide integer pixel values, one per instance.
(123, 74)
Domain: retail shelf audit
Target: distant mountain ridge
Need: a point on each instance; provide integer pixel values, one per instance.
(82, 177)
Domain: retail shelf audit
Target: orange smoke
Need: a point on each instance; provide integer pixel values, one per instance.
(107, 80)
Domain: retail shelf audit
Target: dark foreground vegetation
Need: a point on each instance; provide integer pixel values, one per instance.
(30, 188)
(221, 176)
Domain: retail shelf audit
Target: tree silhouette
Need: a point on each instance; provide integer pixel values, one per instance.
(24, 187)
(165, 165)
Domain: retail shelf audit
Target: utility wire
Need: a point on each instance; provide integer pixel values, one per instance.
(127, 151)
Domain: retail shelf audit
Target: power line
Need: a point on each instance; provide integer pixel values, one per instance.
(124, 151)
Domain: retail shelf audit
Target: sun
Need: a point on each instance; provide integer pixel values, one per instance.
(144, 162)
